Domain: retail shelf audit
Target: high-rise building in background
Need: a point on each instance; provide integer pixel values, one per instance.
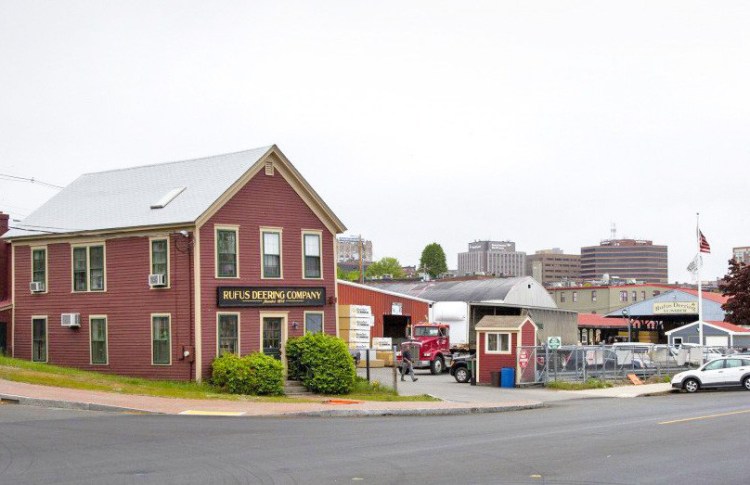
(741, 254)
(628, 259)
(498, 258)
(552, 266)
(349, 248)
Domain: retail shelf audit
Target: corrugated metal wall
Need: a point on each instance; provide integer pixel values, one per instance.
(381, 304)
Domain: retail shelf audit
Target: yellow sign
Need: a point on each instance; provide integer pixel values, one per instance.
(675, 307)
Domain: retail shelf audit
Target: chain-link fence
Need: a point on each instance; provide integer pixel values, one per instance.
(611, 362)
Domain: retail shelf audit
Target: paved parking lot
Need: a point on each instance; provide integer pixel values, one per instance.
(445, 387)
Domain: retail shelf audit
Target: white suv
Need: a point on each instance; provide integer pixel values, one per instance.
(724, 372)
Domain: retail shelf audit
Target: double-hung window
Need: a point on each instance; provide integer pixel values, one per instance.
(312, 261)
(229, 331)
(271, 241)
(313, 322)
(497, 343)
(39, 267)
(160, 258)
(226, 253)
(161, 340)
(98, 339)
(88, 268)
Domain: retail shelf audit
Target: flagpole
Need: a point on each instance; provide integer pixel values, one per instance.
(700, 286)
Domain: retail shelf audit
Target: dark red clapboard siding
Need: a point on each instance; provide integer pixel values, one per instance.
(495, 362)
(381, 305)
(265, 201)
(128, 304)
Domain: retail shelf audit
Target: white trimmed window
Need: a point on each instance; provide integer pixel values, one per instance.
(312, 255)
(39, 266)
(160, 258)
(226, 253)
(228, 333)
(98, 332)
(271, 241)
(497, 343)
(88, 268)
(313, 322)
(161, 340)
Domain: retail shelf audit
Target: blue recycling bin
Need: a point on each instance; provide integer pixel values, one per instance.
(508, 377)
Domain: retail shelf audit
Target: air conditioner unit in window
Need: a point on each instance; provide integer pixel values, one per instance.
(157, 279)
(70, 319)
(36, 287)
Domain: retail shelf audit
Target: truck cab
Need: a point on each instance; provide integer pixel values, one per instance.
(429, 345)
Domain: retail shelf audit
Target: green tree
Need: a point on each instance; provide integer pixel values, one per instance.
(347, 275)
(736, 285)
(386, 266)
(433, 260)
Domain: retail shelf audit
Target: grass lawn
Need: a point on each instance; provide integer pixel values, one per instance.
(18, 370)
(578, 386)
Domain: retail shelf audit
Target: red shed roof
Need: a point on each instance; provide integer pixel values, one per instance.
(597, 320)
(730, 326)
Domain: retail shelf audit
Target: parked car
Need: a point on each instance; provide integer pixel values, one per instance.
(459, 368)
(723, 372)
(575, 358)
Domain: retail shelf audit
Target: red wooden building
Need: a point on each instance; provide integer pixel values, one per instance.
(154, 271)
(5, 298)
(392, 311)
(498, 341)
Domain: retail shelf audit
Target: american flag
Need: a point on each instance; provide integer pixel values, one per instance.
(702, 243)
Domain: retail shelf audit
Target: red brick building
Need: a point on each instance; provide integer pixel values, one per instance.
(154, 271)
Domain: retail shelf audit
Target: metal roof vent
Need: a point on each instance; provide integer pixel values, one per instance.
(168, 197)
(269, 168)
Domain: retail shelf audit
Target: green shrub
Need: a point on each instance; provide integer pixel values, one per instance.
(322, 362)
(266, 374)
(256, 374)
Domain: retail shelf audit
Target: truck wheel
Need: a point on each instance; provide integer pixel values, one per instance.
(462, 375)
(437, 366)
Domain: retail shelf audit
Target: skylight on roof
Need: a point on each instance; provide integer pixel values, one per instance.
(168, 197)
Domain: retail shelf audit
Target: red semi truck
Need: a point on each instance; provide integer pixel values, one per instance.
(429, 345)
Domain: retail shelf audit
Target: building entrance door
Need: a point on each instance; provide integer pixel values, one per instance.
(272, 336)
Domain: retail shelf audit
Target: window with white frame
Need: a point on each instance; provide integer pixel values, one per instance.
(497, 343)
(160, 258)
(88, 268)
(575, 296)
(161, 340)
(98, 340)
(226, 253)
(271, 254)
(313, 322)
(39, 266)
(311, 243)
(593, 295)
(229, 331)
(624, 295)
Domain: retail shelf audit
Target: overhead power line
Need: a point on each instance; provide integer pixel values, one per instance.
(5, 176)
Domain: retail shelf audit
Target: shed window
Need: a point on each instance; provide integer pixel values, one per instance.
(497, 343)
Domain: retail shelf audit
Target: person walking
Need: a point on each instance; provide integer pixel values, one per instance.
(406, 365)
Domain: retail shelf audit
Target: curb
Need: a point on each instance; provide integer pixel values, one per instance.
(332, 413)
(366, 413)
(81, 406)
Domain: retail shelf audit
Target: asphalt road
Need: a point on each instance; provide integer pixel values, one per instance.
(680, 439)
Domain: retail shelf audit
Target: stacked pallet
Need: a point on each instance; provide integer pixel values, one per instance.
(355, 323)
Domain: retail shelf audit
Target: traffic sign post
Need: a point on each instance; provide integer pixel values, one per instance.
(554, 342)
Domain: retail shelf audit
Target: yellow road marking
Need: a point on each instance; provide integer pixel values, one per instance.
(710, 416)
(213, 413)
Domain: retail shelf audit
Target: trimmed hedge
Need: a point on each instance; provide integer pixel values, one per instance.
(321, 362)
(257, 374)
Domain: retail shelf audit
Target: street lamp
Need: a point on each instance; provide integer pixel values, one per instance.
(625, 314)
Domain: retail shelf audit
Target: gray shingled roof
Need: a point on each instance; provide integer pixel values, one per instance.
(122, 198)
(524, 291)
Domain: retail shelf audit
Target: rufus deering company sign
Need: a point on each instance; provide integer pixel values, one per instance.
(238, 296)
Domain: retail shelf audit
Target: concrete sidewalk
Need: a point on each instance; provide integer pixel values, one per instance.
(485, 400)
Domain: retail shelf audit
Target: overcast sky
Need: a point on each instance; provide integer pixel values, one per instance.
(538, 122)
